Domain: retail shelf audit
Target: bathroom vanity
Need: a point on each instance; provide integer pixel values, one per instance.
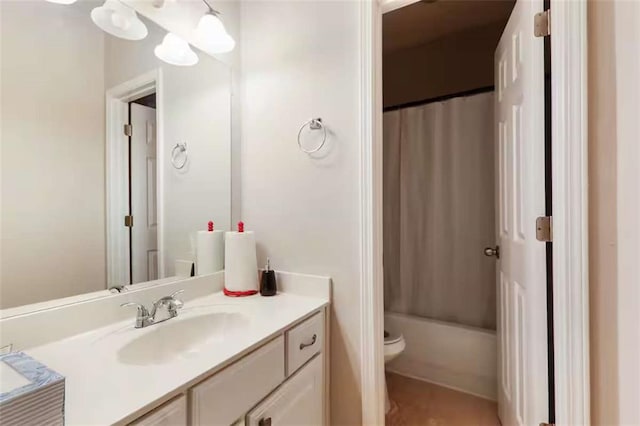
(294, 395)
(221, 360)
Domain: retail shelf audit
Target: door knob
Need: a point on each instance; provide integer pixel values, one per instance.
(492, 251)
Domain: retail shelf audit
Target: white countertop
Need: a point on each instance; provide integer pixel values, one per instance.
(105, 384)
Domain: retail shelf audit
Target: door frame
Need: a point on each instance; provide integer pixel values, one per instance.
(570, 210)
(116, 166)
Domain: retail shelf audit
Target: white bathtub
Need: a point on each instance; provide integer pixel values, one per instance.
(451, 355)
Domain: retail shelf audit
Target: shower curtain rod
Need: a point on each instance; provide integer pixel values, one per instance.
(440, 98)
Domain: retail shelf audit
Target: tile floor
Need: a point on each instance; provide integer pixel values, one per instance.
(417, 403)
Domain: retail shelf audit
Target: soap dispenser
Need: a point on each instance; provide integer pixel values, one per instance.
(268, 285)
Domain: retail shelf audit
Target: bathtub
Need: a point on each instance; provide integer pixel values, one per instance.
(451, 355)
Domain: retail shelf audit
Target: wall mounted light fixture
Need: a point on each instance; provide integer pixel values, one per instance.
(175, 51)
(119, 20)
(212, 34)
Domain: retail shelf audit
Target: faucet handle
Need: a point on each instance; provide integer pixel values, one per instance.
(142, 310)
(143, 313)
(175, 293)
(178, 302)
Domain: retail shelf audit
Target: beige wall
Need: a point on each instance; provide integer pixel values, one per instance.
(614, 210)
(302, 60)
(602, 212)
(53, 216)
(453, 64)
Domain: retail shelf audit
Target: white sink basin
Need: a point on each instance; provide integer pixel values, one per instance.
(180, 337)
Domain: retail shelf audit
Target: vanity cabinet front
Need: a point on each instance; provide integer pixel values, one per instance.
(281, 383)
(223, 398)
(297, 402)
(303, 342)
(172, 413)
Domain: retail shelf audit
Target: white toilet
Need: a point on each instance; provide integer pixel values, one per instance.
(393, 346)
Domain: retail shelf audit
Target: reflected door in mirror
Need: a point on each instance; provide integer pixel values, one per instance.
(143, 198)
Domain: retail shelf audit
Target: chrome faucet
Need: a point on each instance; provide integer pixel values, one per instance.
(168, 304)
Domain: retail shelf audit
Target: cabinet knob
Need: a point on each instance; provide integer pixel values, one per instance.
(265, 422)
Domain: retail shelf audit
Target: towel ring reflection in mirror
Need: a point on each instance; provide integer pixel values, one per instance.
(180, 150)
(314, 124)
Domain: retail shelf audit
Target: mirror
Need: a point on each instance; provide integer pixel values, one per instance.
(88, 203)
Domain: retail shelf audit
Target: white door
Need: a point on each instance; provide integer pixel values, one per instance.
(522, 321)
(298, 402)
(144, 235)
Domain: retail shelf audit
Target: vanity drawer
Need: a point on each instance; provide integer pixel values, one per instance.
(229, 394)
(172, 413)
(304, 341)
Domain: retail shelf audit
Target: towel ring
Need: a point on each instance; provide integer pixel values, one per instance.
(175, 153)
(314, 124)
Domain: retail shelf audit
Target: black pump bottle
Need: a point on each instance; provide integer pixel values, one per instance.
(268, 286)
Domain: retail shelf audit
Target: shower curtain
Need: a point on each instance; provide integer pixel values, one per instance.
(439, 211)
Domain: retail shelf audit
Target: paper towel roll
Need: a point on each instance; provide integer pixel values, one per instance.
(209, 252)
(241, 265)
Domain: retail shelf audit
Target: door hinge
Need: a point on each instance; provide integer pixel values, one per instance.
(128, 130)
(544, 228)
(128, 221)
(542, 24)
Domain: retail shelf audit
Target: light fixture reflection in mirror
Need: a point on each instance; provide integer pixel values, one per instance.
(213, 35)
(175, 51)
(119, 20)
(62, 1)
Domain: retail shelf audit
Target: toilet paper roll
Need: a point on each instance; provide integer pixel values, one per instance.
(209, 252)
(241, 265)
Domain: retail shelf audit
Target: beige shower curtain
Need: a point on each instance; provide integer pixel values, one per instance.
(439, 211)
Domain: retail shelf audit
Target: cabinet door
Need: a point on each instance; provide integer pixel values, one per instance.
(298, 402)
(228, 395)
(173, 413)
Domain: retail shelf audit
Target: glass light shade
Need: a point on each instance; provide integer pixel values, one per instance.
(62, 1)
(119, 20)
(213, 36)
(175, 51)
